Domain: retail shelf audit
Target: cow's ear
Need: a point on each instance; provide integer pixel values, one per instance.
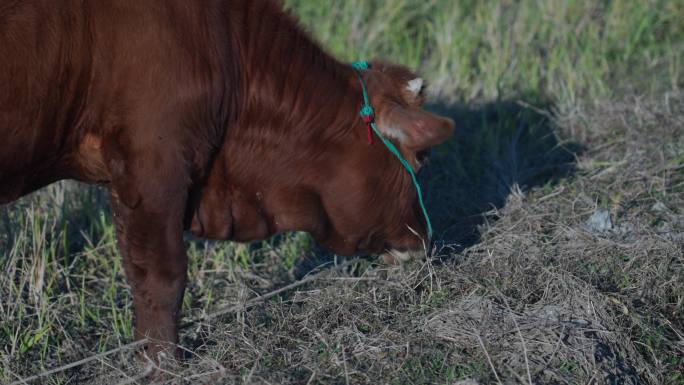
(414, 128)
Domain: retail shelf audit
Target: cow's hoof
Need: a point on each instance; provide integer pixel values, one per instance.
(158, 357)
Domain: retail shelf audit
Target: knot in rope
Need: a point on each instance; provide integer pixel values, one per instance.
(361, 65)
(367, 112)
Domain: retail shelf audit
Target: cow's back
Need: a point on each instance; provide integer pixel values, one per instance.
(40, 70)
(76, 75)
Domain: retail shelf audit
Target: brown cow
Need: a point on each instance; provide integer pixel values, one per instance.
(222, 117)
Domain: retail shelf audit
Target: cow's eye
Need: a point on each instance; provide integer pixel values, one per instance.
(423, 157)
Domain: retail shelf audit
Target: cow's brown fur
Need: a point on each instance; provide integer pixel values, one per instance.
(223, 118)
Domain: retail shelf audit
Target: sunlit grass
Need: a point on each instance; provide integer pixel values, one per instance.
(571, 52)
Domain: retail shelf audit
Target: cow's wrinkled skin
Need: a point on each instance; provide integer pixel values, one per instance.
(219, 117)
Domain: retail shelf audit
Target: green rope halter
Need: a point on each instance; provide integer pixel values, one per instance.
(368, 115)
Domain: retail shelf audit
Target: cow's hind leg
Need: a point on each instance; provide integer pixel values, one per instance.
(150, 230)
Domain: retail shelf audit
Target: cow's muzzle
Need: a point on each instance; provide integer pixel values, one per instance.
(397, 257)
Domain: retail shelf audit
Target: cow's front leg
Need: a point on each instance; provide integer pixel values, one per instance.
(150, 230)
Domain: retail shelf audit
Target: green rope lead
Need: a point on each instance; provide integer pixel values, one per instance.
(368, 114)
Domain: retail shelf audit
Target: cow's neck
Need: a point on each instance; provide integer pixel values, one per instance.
(289, 80)
(297, 103)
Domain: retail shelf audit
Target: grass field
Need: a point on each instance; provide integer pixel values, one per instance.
(558, 204)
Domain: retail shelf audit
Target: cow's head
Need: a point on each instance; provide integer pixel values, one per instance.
(352, 196)
(386, 214)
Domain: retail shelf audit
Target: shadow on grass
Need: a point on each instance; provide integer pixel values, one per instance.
(496, 148)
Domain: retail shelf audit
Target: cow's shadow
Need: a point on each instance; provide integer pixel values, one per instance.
(497, 148)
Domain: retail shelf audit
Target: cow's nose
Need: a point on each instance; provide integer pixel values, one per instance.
(397, 257)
